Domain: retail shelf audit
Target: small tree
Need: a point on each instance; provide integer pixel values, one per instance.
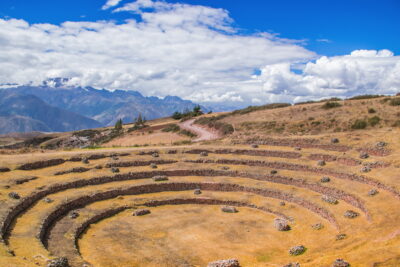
(118, 125)
(177, 115)
(197, 110)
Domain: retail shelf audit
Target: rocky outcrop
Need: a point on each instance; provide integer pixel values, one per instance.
(224, 263)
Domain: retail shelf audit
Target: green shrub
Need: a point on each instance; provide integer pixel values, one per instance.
(395, 101)
(371, 110)
(364, 97)
(329, 105)
(171, 128)
(374, 120)
(359, 124)
(257, 108)
(187, 133)
(212, 122)
(396, 123)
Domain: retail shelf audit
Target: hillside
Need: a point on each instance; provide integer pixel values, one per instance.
(262, 195)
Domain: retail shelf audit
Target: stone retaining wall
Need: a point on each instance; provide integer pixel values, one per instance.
(82, 201)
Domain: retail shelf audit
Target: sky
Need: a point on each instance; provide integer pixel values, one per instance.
(220, 52)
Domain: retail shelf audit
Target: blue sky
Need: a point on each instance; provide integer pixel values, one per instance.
(328, 27)
(215, 52)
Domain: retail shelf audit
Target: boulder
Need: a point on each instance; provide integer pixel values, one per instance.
(292, 264)
(254, 146)
(85, 161)
(114, 170)
(340, 263)
(365, 169)
(155, 155)
(334, 140)
(281, 224)
(317, 226)
(197, 192)
(58, 262)
(141, 212)
(297, 148)
(321, 163)
(329, 199)
(325, 179)
(341, 236)
(282, 203)
(297, 250)
(224, 263)
(274, 172)
(351, 214)
(153, 165)
(372, 192)
(14, 195)
(229, 209)
(364, 155)
(159, 178)
(47, 200)
(381, 144)
(74, 215)
(203, 154)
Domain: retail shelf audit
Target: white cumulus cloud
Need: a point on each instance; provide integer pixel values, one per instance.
(361, 72)
(186, 50)
(110, 3)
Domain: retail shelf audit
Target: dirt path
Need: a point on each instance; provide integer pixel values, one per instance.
(203, 134)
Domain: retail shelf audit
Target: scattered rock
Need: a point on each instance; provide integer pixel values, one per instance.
(364, 155)
(114, 157)
(317, 226)
(159, 178)
(334, 140)
(85, 161)
(47, 200)
(74, 215)
(197, 192)
(282, 203)
(292, 264)
(340, 263)
(155, 155)
(365, 169)
(341, 236)
(297, 250)
(141, 212)
(229, 209)
(172, 151)
(141, 153)
(274, 172)
(351, 214)
(329, 199)
(325, 179)
(281, 224)
(59, 262)
(203, 154)
(297, 148)
(114, 170)
(98, 167)
(372, 192)
(224, 263)
(321, 163)
(14, 195)
(153, 165)
(225, 168)
(381, 144)
(254, 146)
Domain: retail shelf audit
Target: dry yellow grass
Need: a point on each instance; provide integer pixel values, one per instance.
(174, 235)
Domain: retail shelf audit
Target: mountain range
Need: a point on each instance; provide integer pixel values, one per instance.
(55, 107)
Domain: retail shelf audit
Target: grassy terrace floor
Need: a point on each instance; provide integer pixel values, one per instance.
(194, 234)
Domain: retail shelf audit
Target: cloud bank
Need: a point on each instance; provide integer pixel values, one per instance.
(191, 51)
